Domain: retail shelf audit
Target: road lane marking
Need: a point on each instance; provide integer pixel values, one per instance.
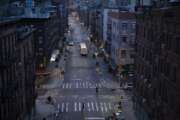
(103, 81)
(76, 85)
(66, 85)
(58, 107)
(101, 105)
(94, 118)
(83, 85)
(67, 105)
(97, 108)
(88, 107)
(63, 85)
(105, 107)
(87, 86)
(75, 105)
(92, 104)
(110, 106)
(79, 106)
(62, 108)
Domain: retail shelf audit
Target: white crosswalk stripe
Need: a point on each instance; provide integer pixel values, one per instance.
(92, 104)
(109, 104)
(88, 104)
(79, 106)
(67, 85)
(75, 106)
(63, 86)
(80, 84)
(62, 107)
(97, 108)
(105, 107)
(101, 106)
(76, 85)
(58, 107)
(89, 107)
(84, 85)
(67, 104)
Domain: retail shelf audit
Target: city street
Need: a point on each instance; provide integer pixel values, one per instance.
(89, 59)
(75, 96)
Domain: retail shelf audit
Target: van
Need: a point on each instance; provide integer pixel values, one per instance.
(83, 49)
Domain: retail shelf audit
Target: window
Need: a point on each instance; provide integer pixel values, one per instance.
(40, 41)
(123, 53)
(132, 56)
(133, 26)
(40, 49)
(124, 39)
(124, 26)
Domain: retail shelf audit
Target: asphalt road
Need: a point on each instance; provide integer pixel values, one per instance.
(79, 87)
(75, 96)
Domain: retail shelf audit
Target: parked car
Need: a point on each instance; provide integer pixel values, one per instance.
(118, 114)
(71, 43)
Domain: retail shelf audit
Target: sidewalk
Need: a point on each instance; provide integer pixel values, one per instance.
(127, 103)
(50, 88)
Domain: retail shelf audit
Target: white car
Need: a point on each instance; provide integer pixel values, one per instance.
(71, 43)
(119, 116)
(119, 113)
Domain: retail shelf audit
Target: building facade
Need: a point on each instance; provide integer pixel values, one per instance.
(17, 71)
(156, 91)
(123, 39)
(46, 37)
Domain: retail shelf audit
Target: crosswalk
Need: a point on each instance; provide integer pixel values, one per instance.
(83, 84)
(85, 107)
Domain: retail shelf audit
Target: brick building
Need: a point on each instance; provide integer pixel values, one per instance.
(17, 70)
(46, 37)
(156, 95)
